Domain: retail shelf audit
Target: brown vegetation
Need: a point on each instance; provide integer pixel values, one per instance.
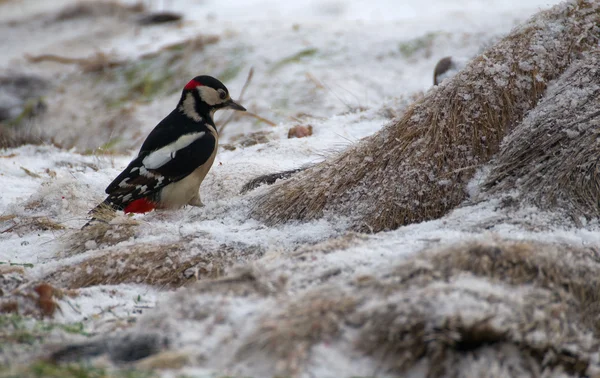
(98, 9)
(550, 302)
(29, 298)
(417, 168)
(160, 265)
(163, 265)
(552, 158)
(98, 62)
(101, 234)
(290, 333)
(493, 308)
(26, 224)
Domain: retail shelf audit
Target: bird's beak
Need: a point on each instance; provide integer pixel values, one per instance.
(234, 105)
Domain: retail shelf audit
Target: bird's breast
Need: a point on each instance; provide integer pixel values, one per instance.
(180, 193)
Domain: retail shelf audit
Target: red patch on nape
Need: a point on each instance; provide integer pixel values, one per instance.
(192, 85)
(139, 206)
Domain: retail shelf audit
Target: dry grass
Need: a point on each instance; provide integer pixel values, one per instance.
(30, 298)
(152, 264)
(185, 48)
(23, 129)
(572, 271)
(240, 281)
(251, 139)
(27, 224)
(290, 333)
(416, 169)
(552, 302)
(493, 309)
(485, 309)
(163, 265)
(101, 234)
(96, 63)
(530, 263)
(552, 159)
(98, 9)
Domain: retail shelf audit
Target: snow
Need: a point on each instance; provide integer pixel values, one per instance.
(351, 79)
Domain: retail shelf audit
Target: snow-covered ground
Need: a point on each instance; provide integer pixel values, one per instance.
(344, 67)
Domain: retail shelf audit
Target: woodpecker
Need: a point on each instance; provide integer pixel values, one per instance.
(176, 155)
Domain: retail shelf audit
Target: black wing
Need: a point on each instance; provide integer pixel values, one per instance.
(170, 129)
(151, 171)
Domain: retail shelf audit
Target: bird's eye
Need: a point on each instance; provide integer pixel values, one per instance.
(222, 95)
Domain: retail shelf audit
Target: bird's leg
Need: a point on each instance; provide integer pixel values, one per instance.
(195, 201)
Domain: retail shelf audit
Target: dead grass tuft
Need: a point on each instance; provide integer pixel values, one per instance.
(290, 333)
(98, 9)
(417, 168)
(552, 158)
(251, 139)
(11, 137)
(96, 63)
(526, 263)
(100, 234)
(241, 281)
(153, 264)
(30, 299)
(551, 302)
(185, 48)
(516, 263)
(26, 224)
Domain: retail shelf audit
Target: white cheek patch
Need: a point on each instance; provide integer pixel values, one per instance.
(210, 96)
(189, 108)
(162, 156)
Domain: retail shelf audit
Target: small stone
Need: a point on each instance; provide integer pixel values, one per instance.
(300, 131)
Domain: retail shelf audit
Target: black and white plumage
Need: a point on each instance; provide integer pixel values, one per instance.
(176, 155)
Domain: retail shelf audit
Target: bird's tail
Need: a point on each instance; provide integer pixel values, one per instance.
(103, 213)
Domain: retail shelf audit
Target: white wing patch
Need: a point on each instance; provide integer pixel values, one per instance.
(162, 156)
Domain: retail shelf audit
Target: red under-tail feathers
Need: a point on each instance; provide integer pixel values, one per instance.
(141, 205)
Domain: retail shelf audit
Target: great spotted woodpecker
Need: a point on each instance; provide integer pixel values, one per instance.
(176, 155)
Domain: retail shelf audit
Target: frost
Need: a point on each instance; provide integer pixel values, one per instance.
(572, 133)
(526, 66)
(300, 298)
(90, 244)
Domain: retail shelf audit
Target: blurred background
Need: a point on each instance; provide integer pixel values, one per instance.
(97, 75)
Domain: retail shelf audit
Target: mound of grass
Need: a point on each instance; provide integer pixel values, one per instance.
(552, 158)
(417, 168)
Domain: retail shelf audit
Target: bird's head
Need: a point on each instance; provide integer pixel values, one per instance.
(203, 96)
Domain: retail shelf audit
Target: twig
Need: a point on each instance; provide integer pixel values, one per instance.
(29, 173)
(316, 81)
(247, 83)
(73, 307)
(250, 114)
(233, 114)
(10, 228)
(26, 265)
(98, 62)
